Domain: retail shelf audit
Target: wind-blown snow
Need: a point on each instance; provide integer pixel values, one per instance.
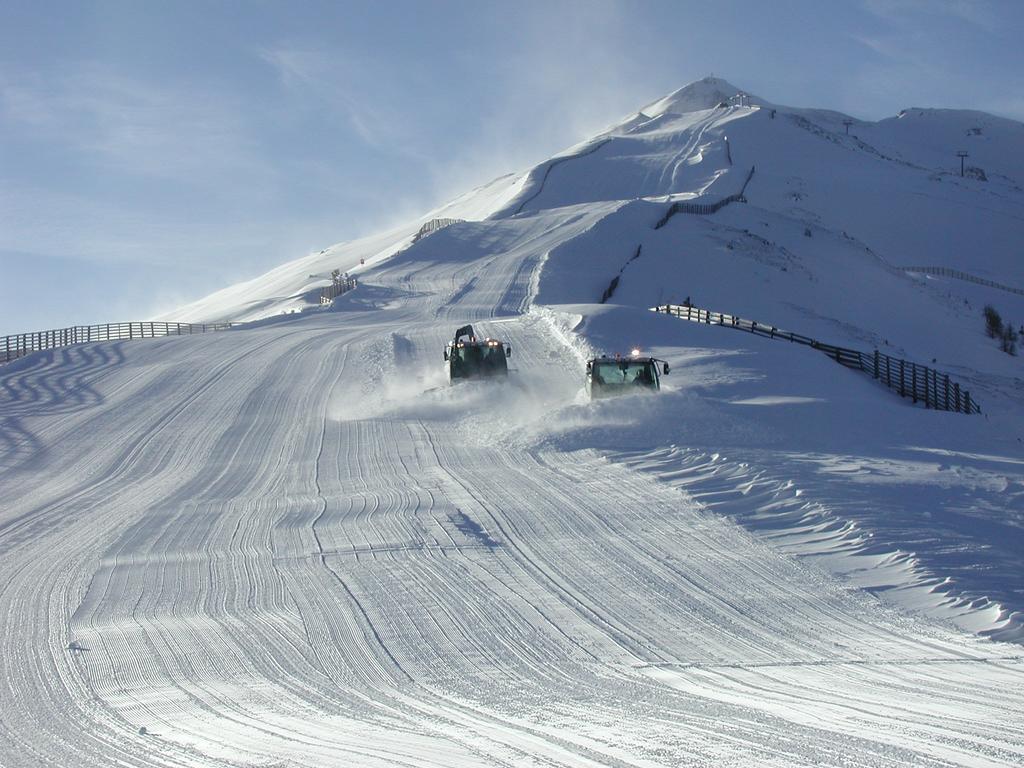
(293, 544)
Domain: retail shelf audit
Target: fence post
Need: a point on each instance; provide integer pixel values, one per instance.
(903, 390)
(946, 377)
(967, 401)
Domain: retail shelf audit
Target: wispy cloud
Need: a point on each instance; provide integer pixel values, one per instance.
(126, 124)
(885, 47)
(574, 70)
(339, 84)
(43, 221)
(930, 53)
(979, 13)
(559, 74)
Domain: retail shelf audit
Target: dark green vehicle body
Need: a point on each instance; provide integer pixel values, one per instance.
(467, 357)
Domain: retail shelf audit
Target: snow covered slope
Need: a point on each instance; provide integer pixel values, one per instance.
(296, 285)
(292, 544)
(891, 187)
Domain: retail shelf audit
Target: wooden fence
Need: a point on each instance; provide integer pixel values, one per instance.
(610, 290)
(958, 275)
(918, 382)
(329, 292)
(21, 344)
(684, 206)
(432, 226)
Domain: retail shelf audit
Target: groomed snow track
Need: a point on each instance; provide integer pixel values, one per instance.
(250, 547)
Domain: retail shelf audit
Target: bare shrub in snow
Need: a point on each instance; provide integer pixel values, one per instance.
(1008, 340)
(993, 322)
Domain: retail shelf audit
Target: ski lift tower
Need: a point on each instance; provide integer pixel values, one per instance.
(962, 154)
(741, 99)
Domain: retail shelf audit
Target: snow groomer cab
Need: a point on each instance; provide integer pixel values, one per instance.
(609, 376)
(467, 357)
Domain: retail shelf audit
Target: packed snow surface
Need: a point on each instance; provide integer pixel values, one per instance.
(294, 544)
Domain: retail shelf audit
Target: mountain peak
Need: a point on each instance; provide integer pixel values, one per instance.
(705, 93)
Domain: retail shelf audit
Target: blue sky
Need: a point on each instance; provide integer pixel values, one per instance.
(151, 153)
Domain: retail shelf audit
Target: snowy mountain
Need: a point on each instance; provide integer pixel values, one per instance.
(893, 186)
(293, 543)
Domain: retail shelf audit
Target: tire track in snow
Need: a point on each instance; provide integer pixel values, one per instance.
(214, 614)
(120, 468)
(671, 168)
(367, 625)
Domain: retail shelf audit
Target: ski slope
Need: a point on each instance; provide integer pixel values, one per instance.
(293, 544)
